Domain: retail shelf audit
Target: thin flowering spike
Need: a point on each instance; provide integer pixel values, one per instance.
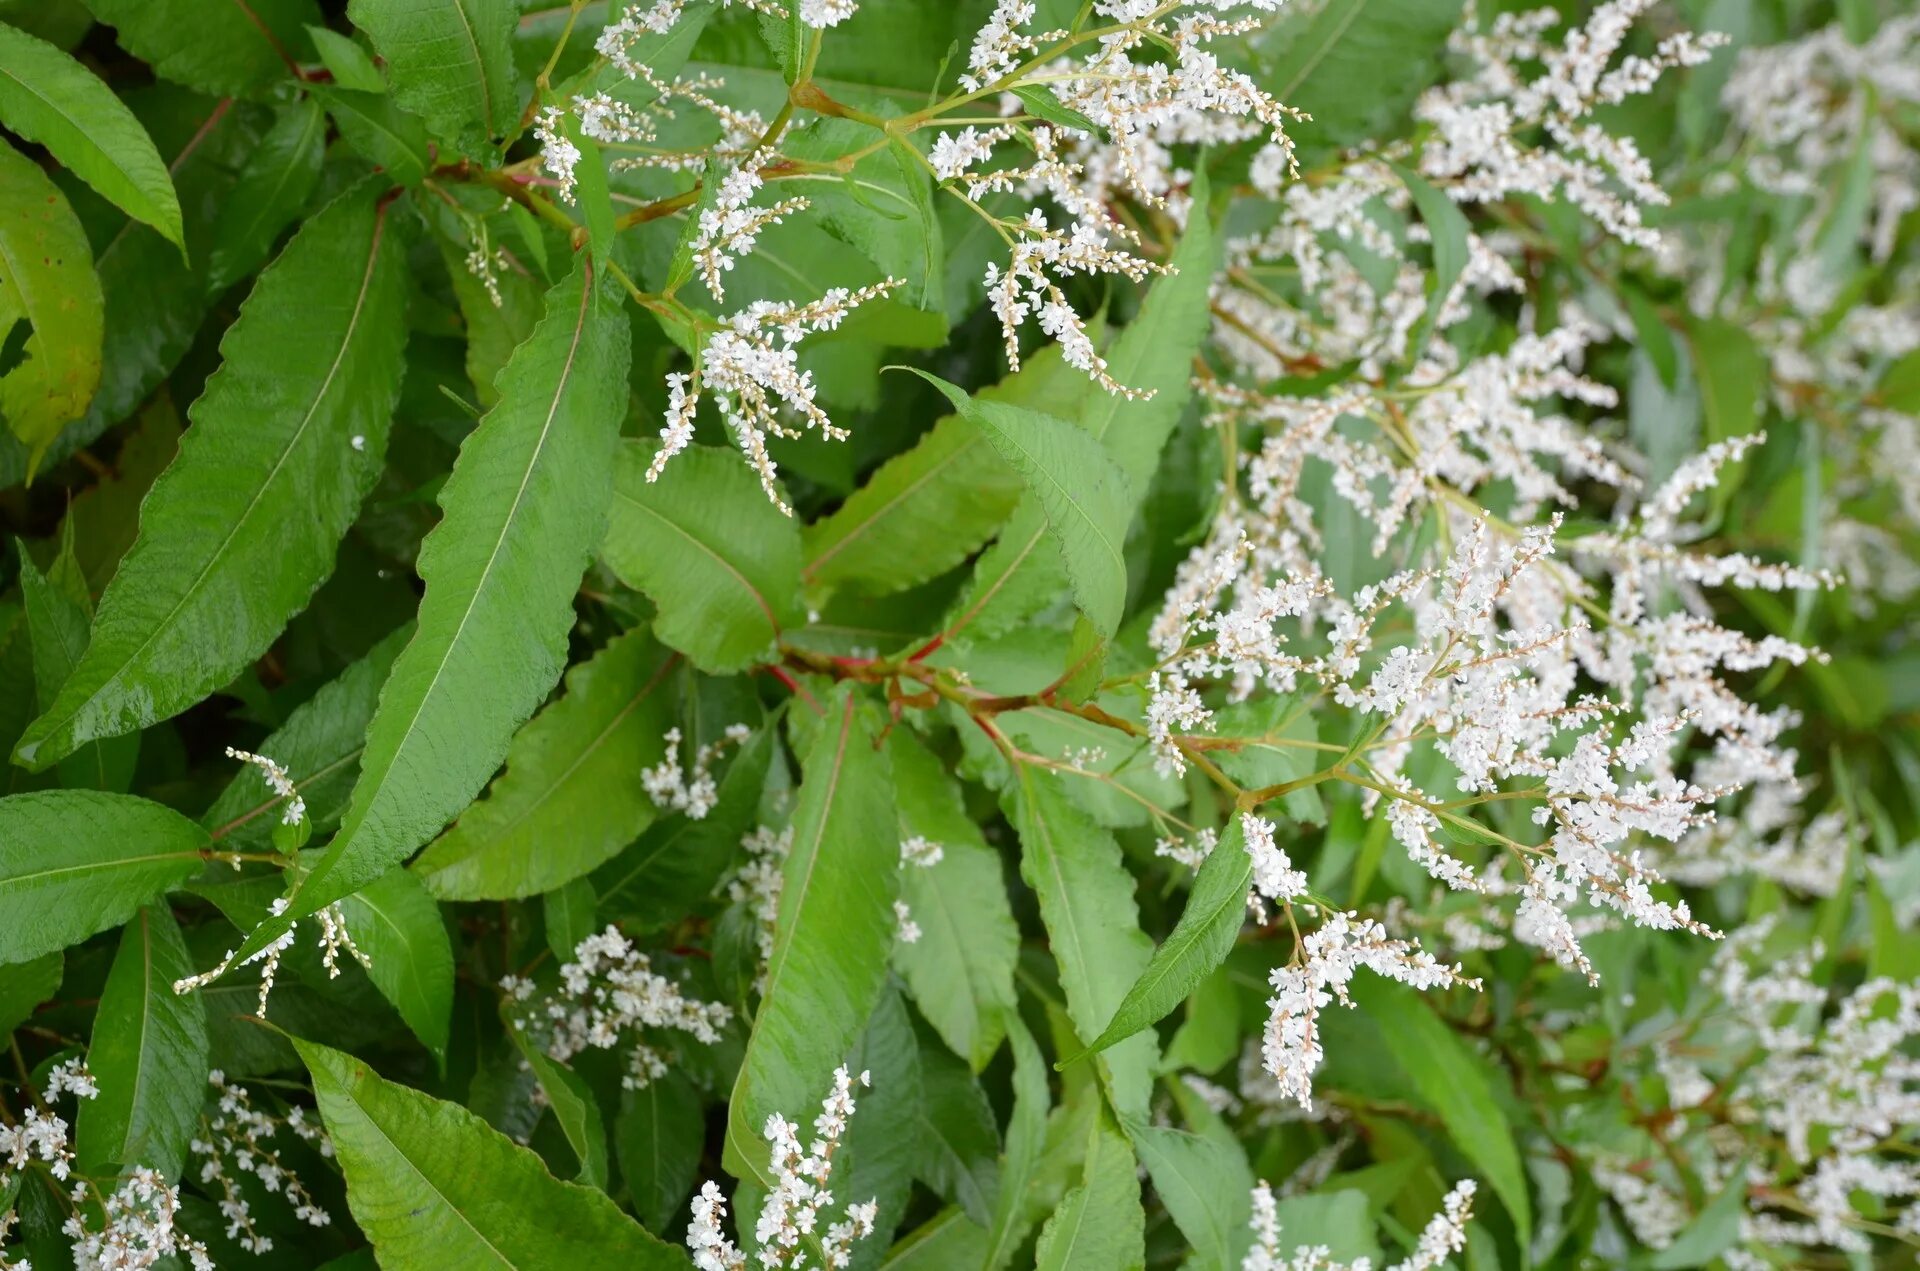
(799, 1195)
(751, 369)
(279, 782)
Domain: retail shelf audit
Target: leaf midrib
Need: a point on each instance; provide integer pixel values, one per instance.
(586, 752)
(366, 1114)
(359, 814)
(88, 867)
(745, 583)
(293, 442)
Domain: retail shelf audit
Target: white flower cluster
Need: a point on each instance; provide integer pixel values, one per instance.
(672, 790)
(790, 1217)
(754, 379)
(130, 1228)
(758, 885)
(916, 852)
(1323, 965)
(1445, 1234)
(1806, 1102)
(335, 939)
(610, 996)
(240, 1135)
(1478, 154)
(279, 782)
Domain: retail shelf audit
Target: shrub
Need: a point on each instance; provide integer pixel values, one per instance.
(1066, 633)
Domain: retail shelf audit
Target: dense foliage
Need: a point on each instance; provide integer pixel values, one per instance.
(959, 634)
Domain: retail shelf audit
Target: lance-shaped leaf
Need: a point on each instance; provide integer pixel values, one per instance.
(574, 768)
(58, 616)
(148, 1054)
(1447, 230)
(709, 549)
(275, 184)
(523, 510)
(1205, 1185)
(433, 1186)
(287, 439)
(1154, 353)
(1100, 1223)
(397, 925)
(658, 1136)
(1327, 62)
(1084, 494)
(47, 281)
(155, 300)
(1455, 1083)
(448, 61)
(930, 507)
(1093, 926)
(1025, 1139)
(961, 968)
(319, 746)
(1200, 941)
(830, 943)
(224, 49)
(48, 97)
(73, 862)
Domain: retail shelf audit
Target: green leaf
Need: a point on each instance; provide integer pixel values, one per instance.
(1200, 942)
(932, 505)
(273, 187)
(1327, 61)
(595, 197)
(48, 97)
(710, 549)
(148, 1055)
(575, 1108)
(1731, 372)
(959, 1144)
(961, 968)
(448, 61)
(24, 985)
(1154, 352)
(1447, 229)
(348, 63)
(524, 507)
(1453, 1085)
(222, 49)
(1041, 103)
(574, 765)
(397, 925)
(57, 623)
(380, 131)
(658, 1136)
(319, 746)
(570, 914)
(832, 937)
(1083, 492)
(1100, 1225)
(1713, 1231)
(73, 862)
(1093, 925)
(1206, 1185)
(235, 536)
(47, 281)
(155, 300)
(1025, 1139)
(433, 1186)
